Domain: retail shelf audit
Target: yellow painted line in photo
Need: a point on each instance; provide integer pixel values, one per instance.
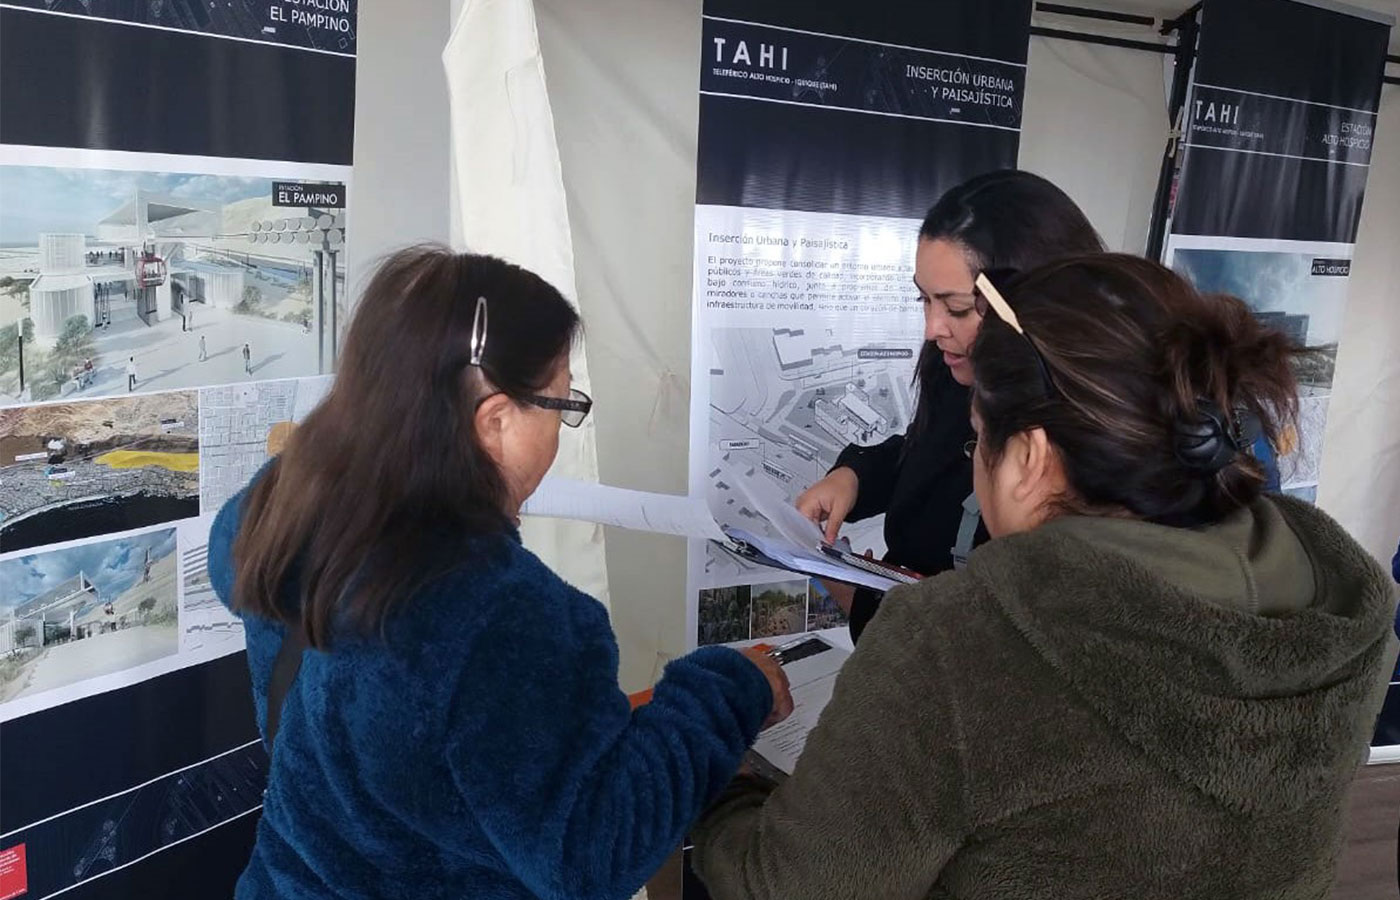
(136, 459)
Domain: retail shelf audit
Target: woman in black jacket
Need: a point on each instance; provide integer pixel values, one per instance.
(922, 480)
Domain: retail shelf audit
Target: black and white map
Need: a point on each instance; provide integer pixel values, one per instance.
(237, 422)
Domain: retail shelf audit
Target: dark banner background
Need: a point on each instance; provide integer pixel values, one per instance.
(188, 739)
(319, 24)
(871, 110)
(801, 67)
(1295, 164)
(998, 29)
(120, 87)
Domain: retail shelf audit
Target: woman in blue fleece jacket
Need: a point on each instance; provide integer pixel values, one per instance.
(455, 728)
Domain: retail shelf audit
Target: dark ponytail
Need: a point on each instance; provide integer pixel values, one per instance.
(1224, 365)
(1159, 391)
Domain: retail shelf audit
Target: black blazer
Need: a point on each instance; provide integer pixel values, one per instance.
(920, 485)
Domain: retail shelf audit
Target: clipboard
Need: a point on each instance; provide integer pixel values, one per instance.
(779, 554)
(874, 566)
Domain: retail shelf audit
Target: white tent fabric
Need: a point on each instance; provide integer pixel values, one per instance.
(625, 82)
(510, 196)
(1095, 123)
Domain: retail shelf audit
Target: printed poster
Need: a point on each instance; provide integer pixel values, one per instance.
(172, 301)
(1280, 118)
(825, 136)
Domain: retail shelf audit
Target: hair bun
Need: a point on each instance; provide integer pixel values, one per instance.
(1208, 441)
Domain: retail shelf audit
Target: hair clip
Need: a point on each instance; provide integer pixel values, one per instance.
(998, 303)
(1209, 443)
(989, 297)
(478, 332)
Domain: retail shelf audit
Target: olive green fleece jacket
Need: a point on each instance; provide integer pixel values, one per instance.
(1098, 708)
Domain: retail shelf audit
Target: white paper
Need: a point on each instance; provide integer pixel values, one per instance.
(781, 514)
(812, 679)
(804, 342)
(689, 517)
(563, 498)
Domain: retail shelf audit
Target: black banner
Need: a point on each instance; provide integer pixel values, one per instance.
(1233, 120)
(212, 704)
(1280, 122)
(143, 303)
(122, 87)
(787, 66)
(1279, 127)
(879, 112)
(96, 786)
(327, 25)
(995, 30)
(1292, 49)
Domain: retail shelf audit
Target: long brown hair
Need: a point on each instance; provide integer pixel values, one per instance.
(382, 486)
(1138, 362)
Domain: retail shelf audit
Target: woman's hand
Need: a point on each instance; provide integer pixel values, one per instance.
(829, 501)
(777, 683)
(278, 436)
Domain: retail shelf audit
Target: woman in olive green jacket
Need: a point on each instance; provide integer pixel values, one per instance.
(1155, 682)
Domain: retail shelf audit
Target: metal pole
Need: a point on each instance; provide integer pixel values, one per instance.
(1170, 25)
(1187, 29)
(320, 279)
(21, 357)
(1103, 15)
(1102, 39)
(334, 312)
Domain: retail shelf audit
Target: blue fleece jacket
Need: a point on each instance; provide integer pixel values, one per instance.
(1264, 452)
(482, 747)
